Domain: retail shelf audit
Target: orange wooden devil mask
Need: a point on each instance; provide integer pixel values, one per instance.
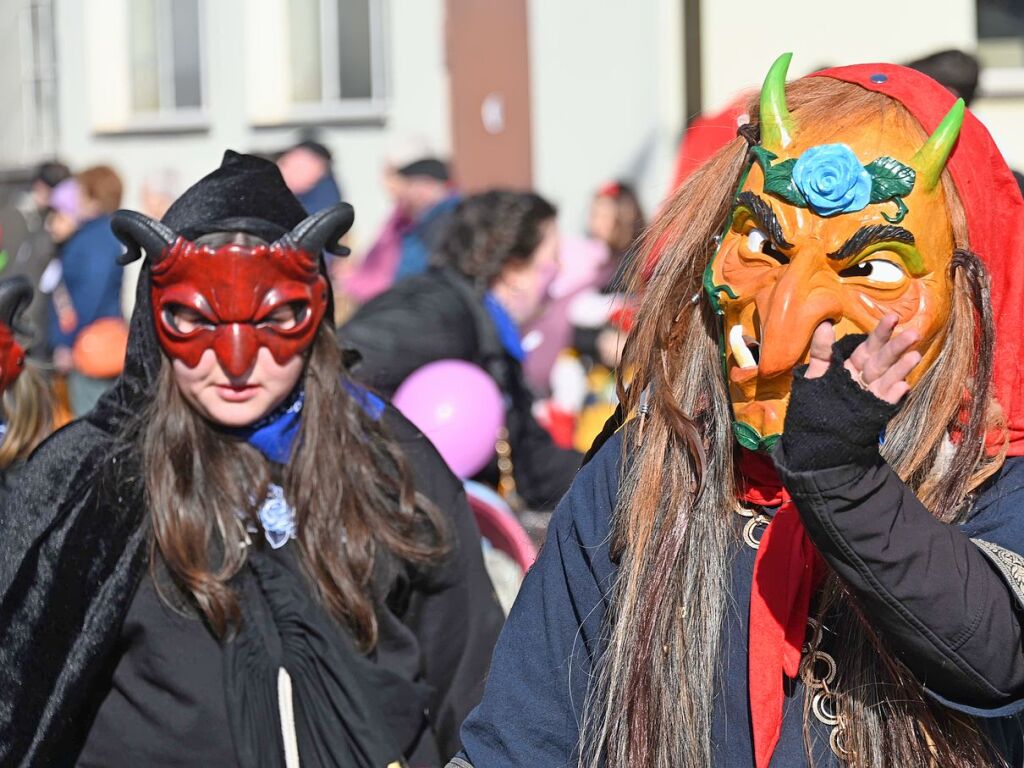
(825, 226)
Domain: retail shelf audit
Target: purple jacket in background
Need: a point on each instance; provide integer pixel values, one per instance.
(377, 271)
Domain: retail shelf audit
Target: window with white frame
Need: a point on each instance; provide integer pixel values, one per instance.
(335, 58)
(315, 61)
(166, 63)
(1001, 46)
(39, 82)
(155, 80)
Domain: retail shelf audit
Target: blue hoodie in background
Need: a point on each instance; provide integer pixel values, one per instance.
(92, 277)
(323, 194)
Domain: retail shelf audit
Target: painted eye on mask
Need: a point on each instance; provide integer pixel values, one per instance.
(759, 242)
(185, 319)
(877, 271)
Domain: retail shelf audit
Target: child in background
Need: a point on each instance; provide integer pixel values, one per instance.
(86, 330)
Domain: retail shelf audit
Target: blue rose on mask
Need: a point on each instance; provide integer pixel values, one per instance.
(832, 180)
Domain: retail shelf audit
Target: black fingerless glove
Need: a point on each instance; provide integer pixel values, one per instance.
(832, 420)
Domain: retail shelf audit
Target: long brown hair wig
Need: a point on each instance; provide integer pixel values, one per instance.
(651, 702)
(357, 512)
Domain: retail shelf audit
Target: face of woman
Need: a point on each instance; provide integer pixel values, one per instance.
(236, 401)
(237, 324)
(604, 217)
(522, 289)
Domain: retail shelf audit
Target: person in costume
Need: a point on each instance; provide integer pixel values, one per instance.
(592, 267)
(798, 553)
(240, 557)
(26, 414)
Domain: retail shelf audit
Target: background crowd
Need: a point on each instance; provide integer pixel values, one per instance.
(491, 278)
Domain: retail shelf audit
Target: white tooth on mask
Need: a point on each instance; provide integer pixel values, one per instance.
(740, 352)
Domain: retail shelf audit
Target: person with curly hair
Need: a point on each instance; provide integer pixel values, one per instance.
(490, 274)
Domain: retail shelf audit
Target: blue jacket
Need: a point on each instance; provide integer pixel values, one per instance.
(419, 241)
(323, 194)
(92, 277)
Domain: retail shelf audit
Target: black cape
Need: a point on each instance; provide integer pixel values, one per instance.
(76, 548)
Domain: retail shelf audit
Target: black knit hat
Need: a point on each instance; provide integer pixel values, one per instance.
(429, 167)
(246, 194)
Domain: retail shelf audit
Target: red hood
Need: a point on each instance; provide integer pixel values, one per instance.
(995, 217)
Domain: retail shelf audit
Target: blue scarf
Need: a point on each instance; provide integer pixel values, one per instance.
(508, 331)
(274, 437)
(274, 434)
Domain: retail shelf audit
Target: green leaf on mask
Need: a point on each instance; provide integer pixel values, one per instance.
(750, 438)
(746, 435)
(763, 156)
(778, 179)
(890, 178)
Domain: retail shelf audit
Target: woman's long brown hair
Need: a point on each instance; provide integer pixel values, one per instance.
(28, 412)
(652, 700)
(355, 504)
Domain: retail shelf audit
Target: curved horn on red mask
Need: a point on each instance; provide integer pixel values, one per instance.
(140, 233)
(15, 295)
(322, 231)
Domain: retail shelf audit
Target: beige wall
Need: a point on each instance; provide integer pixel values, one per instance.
(833, 33)
(1004, 118)
(607, 97)
(741, 38)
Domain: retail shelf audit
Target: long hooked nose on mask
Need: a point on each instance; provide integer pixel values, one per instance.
(236, 346)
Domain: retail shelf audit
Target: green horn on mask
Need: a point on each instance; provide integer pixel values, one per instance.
(931, 158)
(777, 126)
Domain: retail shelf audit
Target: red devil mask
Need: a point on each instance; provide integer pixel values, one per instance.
(15, 296)
(12, 358)
(235, 299)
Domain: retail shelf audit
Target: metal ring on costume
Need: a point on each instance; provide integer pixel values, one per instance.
(824, 707)
(744, 512)
(751, 526)
(816, 633)
(835, 740)
(815, 680)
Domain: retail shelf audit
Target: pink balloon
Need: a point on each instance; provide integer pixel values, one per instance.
(459, 407)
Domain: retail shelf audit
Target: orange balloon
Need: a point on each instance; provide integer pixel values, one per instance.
(100, 348)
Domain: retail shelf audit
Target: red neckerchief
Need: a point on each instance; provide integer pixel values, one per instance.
(787, 571)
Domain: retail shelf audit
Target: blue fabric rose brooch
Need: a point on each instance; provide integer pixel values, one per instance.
(277, 517)
(830, 180)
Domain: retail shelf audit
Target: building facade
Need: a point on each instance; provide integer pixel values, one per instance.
(561, 95)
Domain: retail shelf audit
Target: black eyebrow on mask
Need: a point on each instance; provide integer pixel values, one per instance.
(865, 236)
(765, 216)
